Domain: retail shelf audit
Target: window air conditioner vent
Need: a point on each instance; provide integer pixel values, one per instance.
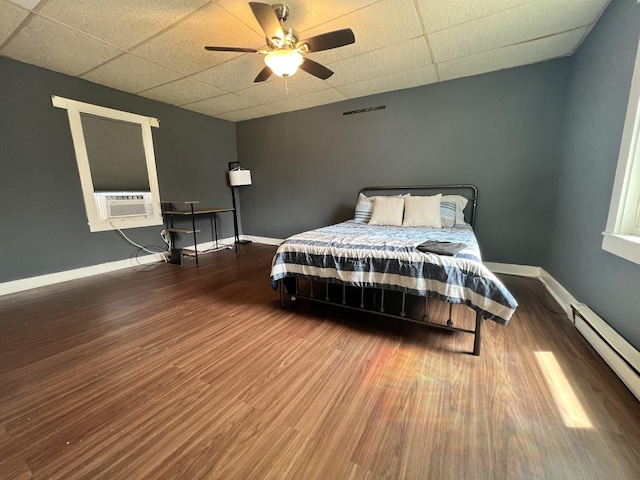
(124, 204)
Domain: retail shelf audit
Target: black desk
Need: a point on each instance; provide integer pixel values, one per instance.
(192, 212)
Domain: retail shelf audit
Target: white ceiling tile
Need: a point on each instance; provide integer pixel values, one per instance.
(236, 74)
(396, 81)
(441, 14)
(519, 24)
(75, 52)
(117, 74)
(248, 113)
(30, 4)
(220, 104)
(379, 25)
(10, 19)
(276, 88)
(309, 100)
(513, 55)
(243, 14)
(120, 22)
(377, 63)
(304, 14)
(157, 46)
(182, 47)
(183, 91)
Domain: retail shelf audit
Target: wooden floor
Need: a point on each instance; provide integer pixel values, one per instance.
(169, 372)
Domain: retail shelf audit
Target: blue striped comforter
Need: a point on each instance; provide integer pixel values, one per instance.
(362, 255)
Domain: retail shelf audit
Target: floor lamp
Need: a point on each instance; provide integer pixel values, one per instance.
(238, 177)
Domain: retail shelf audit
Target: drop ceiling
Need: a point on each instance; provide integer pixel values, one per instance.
(155, 48)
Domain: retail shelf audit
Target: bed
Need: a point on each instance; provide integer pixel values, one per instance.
(387, 261)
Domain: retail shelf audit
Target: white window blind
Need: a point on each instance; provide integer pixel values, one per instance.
(116, 154)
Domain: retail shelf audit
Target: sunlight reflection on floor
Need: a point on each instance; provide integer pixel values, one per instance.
(570, 408)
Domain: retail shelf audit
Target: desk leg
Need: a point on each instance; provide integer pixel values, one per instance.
(214, 230)
(193, 225)
(171, 234)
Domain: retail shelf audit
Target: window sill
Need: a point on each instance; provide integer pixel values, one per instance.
(625, 246)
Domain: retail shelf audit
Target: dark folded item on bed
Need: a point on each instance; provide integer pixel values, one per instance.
(440, 248)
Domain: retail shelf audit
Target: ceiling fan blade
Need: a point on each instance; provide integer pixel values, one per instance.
(268, 20)
(264, 74)
(231, 49)
(329, 40)
(315, 69)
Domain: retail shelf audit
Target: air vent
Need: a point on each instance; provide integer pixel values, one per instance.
(124, 204)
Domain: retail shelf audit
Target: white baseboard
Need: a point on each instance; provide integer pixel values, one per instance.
(619, 354)
(263, 240)
(510, 269)
(205, 247)
(615, 350)
(557, 291)
(59, 277)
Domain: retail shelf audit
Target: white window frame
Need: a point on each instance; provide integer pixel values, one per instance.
(622, 234)
(96, 222)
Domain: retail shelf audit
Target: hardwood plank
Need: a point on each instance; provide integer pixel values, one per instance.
(193, 371)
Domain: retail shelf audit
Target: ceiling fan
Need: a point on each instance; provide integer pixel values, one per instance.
(286, 53)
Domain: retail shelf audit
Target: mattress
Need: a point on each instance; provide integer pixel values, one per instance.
(387, 257)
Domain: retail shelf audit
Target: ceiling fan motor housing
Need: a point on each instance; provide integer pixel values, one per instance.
(289, 41)
(282, 11)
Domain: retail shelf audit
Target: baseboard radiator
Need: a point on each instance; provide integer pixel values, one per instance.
(620, 355)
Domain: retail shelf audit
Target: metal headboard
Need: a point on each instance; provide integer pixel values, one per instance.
(472, 197)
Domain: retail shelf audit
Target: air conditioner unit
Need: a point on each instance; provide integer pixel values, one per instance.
(124, 204)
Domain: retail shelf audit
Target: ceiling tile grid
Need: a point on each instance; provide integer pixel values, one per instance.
(183, 91)
(249, 113)
(378, 63)
(116, 74)
(10, 19)
(513, 55)
(182, 46)
(396, 81)
(123, 23)
(155, 48)
(510, 27)
(309, 100)
(52, 45)
(220, 104)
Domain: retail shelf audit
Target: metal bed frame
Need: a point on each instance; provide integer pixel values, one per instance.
(380, 309)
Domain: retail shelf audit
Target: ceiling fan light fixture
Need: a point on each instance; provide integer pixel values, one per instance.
(284, 63)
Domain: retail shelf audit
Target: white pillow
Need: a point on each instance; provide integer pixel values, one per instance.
(364, 207)
(422, 212)
(460, 202)
(387, 211)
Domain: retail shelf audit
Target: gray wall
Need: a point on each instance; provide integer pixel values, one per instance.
(43, 225)
(601, 73)
(499, 131)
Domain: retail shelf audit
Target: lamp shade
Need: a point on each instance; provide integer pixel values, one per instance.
(238, 178)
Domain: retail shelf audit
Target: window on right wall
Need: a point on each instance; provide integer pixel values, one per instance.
(622, 235)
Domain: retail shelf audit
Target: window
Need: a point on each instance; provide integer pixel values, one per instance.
(622, 235)
(116, 163)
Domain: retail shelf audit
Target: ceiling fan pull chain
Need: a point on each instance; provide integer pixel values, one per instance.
(286, 87)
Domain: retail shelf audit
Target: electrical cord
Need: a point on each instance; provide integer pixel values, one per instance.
(149, 266)
(141, 248)
(166, 237)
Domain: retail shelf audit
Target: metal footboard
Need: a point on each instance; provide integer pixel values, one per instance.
(380, 310)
